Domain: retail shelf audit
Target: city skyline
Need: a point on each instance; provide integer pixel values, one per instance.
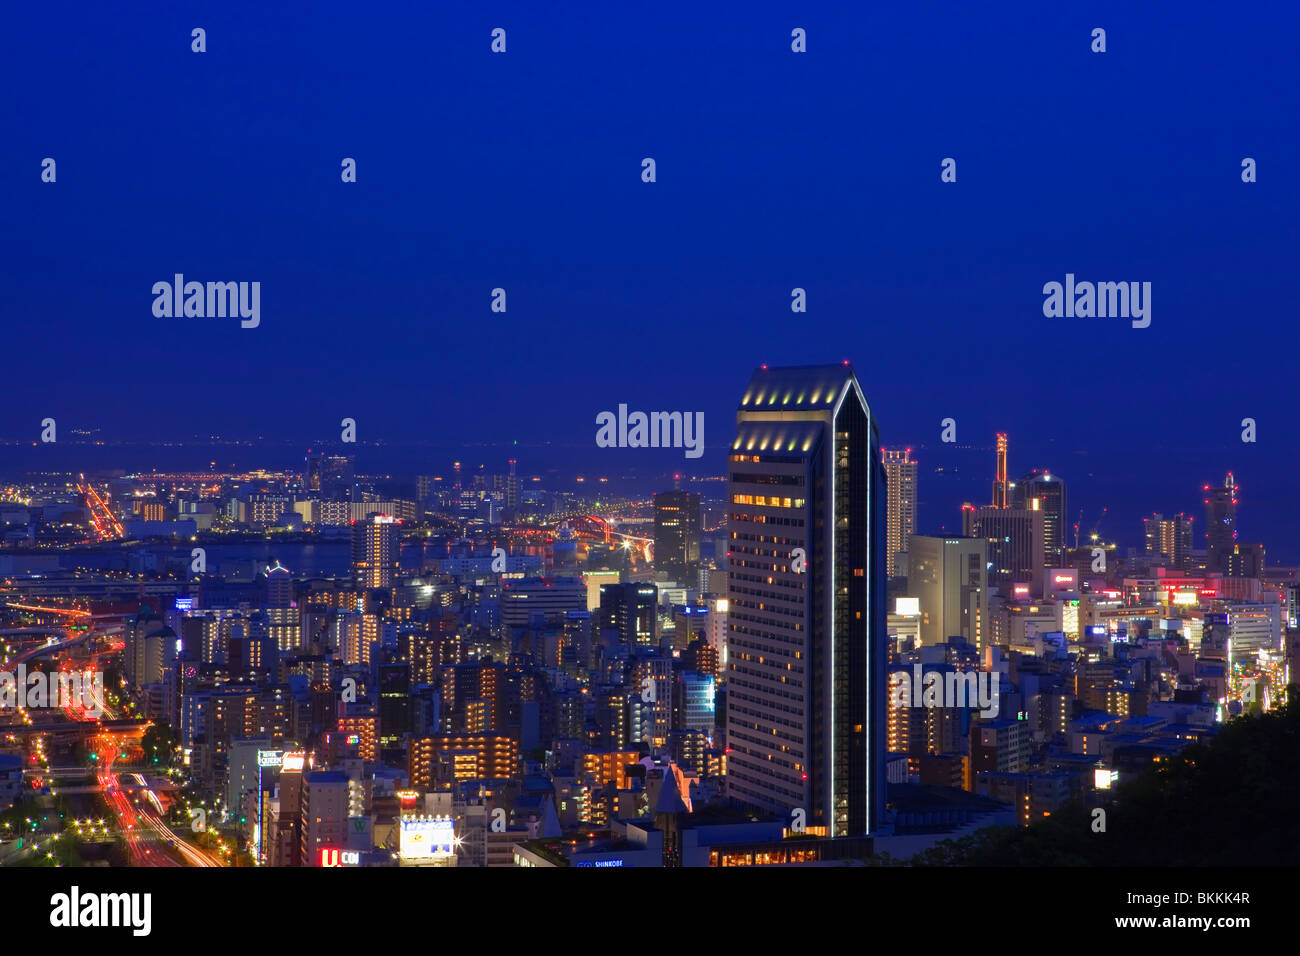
(495, 674)
(837, 440)
(962, 474)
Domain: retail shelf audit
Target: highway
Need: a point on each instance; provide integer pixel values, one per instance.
(140, 814)
(141, 846)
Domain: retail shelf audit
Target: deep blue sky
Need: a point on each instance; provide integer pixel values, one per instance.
(775, 170)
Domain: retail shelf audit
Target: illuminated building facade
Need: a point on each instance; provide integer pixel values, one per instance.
(1001, 486)
(806, 591)
(374, 551)
(900, 505)
(1171, 537)
(694, 699)
(366, 731)
(450, 757)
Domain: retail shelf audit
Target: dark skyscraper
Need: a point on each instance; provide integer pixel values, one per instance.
(1220, 524)
(807, 639)
(331, 477)
(394, 704)
(1246, 560)
(1049, 491)
(630, 609)
(677, 536)
(1015, 537)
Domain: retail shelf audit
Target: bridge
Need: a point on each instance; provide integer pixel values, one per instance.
(606, 527)
(140, 784)
(49, 629)
(73, 612)
(83, 727)
(53, 648)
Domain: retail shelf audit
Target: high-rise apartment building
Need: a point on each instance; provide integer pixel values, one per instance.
(900, 505)
(806, 655)
(324, 817)
(374, 551)
(512, 489)
(445, 758)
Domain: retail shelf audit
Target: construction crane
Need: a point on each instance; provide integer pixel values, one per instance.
(1096, 526)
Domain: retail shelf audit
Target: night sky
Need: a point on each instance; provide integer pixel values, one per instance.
(775, 170)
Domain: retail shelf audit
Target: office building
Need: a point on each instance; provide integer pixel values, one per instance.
(632, 610)
(1171, 537)
(807, 639)
(1246, 560)
(330, 476)
(694, 700)
(537, 601)
(1014, 527)
(1015, 543)
(1045, 492)
(949, 579)
(677, 536)
(1220, 524)
(512, 490)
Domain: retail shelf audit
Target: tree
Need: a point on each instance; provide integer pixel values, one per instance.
(159, 744)
(1226, 803)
